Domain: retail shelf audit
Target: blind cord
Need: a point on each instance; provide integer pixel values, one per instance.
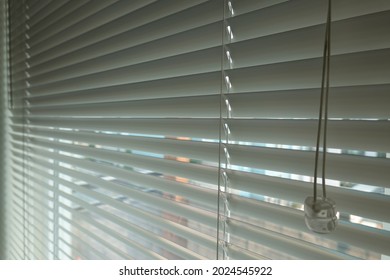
(320, 214)
(323, 109)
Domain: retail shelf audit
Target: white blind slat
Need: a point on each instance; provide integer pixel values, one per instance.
(348, 200)
(355, 235)
(142, 18)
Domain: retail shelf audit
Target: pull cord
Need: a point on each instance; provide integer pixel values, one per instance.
(323, 113)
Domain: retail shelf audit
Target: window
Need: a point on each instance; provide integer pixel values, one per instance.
(186, 129)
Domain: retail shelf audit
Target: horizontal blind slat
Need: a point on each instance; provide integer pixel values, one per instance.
(111, 54)
(348, 200)
(350, 168)
(193, 128)
(295, 15)
(68, 14)
(159, 165)
(343, 134)
(185, 64)
(88, 221)
(152, 219)
(190, 107)
(120, 221)
(369, 101)
(362, 68)
(291, 246)
(356, 235)
(155, 20)
(171, 147)
(190, 212)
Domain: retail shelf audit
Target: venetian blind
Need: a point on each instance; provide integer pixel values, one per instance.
(186, 129)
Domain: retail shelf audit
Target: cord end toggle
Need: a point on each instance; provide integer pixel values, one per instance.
(320, 214)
